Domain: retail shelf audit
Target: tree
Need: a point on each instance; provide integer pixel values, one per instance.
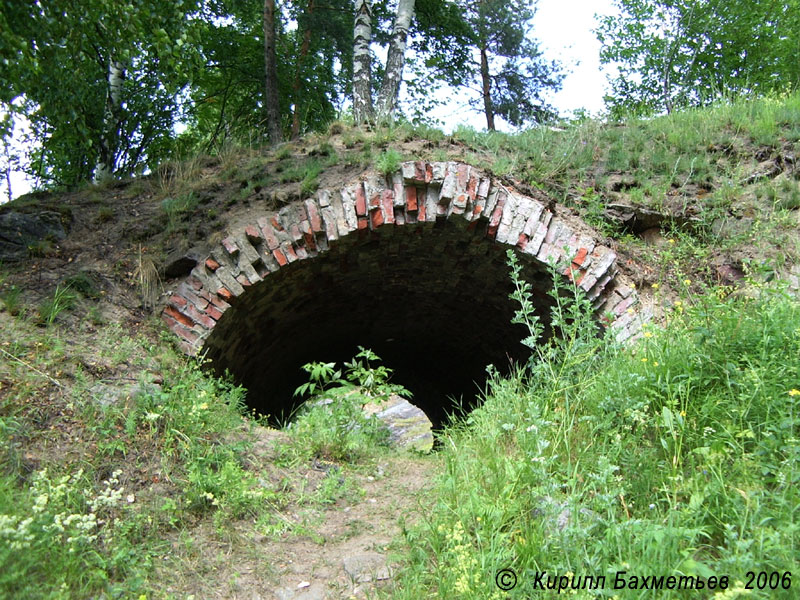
(677, 53)
(98, 82)
(271, 74)
(363, 109)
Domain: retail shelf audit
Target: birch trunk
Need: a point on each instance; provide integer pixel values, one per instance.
(395, 60)
(271, 76)
(363, 111)
(108, 143)
(486, 80)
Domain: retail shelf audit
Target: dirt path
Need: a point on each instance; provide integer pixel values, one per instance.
(333, 548)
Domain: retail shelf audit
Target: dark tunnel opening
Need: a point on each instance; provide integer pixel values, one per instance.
(433, 303)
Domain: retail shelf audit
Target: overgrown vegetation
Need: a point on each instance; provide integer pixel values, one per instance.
(332, 424)
(675, 456)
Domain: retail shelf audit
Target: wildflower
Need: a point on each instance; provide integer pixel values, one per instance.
(794, 392)
(683, 413)
(151, 416)
(644, 360)
(655, 286)
(630, 311)
(648, 334)
(671, 241)
(655, 363)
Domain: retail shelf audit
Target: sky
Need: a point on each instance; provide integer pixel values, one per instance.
(564, 31)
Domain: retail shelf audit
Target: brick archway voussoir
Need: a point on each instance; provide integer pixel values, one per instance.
(419, 195)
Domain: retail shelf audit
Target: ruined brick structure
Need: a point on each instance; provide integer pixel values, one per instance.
(419, 254)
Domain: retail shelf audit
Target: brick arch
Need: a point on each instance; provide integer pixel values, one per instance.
(421, 198)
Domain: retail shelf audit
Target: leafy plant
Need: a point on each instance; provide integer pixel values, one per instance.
(389, 161)
(332, 422)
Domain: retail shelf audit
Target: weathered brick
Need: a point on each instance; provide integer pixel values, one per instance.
(211, 264)
(230, 246)
(314, 218)
(411, 198)
(269, 233)
(280, 257)
(387, 201)
(497, 214)
(253, 234)
(361, 201)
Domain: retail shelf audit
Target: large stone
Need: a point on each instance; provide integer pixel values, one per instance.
(409, 427)
(19, 231)
(364, 568)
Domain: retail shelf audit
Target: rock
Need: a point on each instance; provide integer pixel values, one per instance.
(313, 591)
(560, 516)
(19, 230)
(409, 427)
(363, 568)
(107, 395)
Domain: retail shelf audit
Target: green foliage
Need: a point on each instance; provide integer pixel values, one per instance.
(75, 124)
(677, 53)
(675, 455)
(63, 299)
(332, 423)
(389, 161)
(12, 299)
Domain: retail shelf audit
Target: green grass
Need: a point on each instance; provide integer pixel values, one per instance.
(676, 456)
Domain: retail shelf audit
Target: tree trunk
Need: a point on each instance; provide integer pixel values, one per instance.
(301, 59)
(487, 89)
(271, 67)
(362, 63)
(395, 60)
(108, 142)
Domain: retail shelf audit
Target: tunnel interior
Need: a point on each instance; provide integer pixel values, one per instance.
(433, 303)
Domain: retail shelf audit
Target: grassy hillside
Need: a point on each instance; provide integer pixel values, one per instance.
(122, 464)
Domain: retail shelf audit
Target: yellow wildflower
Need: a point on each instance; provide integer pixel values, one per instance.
(794, 392)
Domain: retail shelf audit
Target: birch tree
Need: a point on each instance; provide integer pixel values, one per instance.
(363, 110)
(395, 60)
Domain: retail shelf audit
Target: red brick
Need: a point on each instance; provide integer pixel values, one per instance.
(211, 264)
(580, 256)
(428, 172)
(199, 316)
(213, 312)
(225, 294)
(178, 301)
(230, 246)
(462, 176)
(387, 199)
(313, 216)
(253, 234)
(280, 257)
(276, 224)
(178, 316)
(243, 280)
(523, 241)
(411, 198)
(421, 214)
(194, 282)
(472, 186)
(376, 218)
(497, 215)
(419, 170)
(269, 234)
(361, 201)
(363, 223)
